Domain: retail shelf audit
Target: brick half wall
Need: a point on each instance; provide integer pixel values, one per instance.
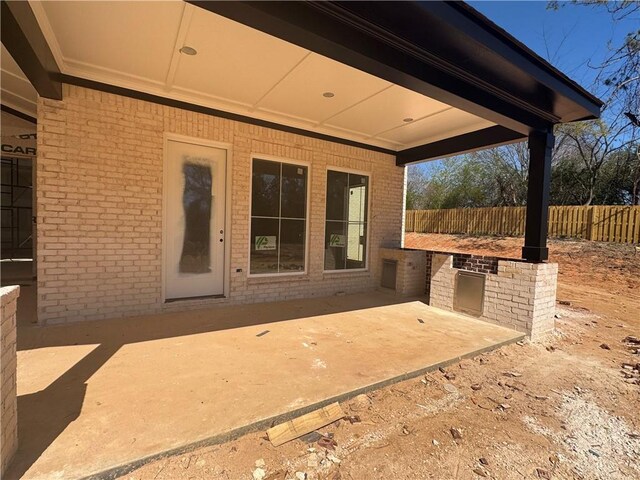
(9, 412)
(520, 295)
(411, 270)
(465, 261)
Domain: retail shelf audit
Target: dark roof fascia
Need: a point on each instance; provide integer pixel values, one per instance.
(351, 33)
(472, 36)
(486, 138)
(524, 50)
(399, 42)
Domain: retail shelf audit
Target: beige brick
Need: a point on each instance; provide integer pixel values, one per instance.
(99, 184)
(8, 364)
(521, 295)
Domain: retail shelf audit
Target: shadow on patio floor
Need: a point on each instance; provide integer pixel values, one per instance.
(45, 414)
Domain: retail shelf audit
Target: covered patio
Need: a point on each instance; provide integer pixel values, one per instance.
(96, 398)
(336, 98)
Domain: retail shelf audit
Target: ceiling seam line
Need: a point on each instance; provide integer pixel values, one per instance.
(181, 36)
(322, 122)
(435, 61)
(414, 121)
(275, 85)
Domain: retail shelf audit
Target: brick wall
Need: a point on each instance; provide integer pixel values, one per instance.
(9, 407)
(475, 263)
(99, 201)
(520, 295)
(466, 261)
(411, 270)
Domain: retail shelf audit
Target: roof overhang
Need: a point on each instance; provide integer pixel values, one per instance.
(489, 137)
(466, 83)
(21, 31)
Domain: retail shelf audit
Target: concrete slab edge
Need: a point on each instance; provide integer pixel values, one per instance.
(124, 469)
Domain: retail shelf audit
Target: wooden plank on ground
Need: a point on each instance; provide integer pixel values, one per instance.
(297, 427)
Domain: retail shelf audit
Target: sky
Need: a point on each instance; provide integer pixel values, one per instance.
(570, 38)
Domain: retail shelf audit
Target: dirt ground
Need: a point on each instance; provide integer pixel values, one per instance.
(565, 408)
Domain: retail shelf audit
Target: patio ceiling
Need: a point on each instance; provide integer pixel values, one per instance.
(427, 80)
(238, 69)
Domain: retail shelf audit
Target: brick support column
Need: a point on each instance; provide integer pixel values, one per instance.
(9, 407)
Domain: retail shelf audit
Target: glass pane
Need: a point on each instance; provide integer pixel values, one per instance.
(345, 242)
(7, 242)
(358, 186)
(24, 228)
(5, 197)
(294, 191)
(7, 216)
(22, 196)
(196, 201)
(336, 193)
(335, 245)
(356, 245)
(24, 173)
(292, 233)
(6, 172)
(264, 245)
(265, 197)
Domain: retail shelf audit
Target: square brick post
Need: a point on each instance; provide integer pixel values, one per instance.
(9, 407)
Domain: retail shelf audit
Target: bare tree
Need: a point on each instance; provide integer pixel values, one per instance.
(417, 183)
(619, 78)
(508, 167)
(592, 144)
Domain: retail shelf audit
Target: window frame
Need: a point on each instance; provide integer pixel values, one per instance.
(289, 161)
(367, 221)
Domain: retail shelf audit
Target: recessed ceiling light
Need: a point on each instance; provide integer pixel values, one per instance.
(328, 94)
(188, 50)
(407, 120)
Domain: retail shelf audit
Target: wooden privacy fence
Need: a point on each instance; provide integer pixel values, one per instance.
(604, 223)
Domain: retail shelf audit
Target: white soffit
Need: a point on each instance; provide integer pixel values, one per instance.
(17, 92)
(135, 44)
(444, 124)
(233, 62)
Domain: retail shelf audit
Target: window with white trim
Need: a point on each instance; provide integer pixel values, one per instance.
(346, 221)
(278, 217)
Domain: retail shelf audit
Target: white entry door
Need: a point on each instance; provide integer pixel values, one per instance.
(194, 220)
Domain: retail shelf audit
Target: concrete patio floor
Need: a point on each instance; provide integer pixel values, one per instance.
(106, 396)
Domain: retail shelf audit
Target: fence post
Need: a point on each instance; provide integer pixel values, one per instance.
(594, 218)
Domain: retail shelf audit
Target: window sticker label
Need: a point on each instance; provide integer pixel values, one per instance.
(336, 240)
(266, 242)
